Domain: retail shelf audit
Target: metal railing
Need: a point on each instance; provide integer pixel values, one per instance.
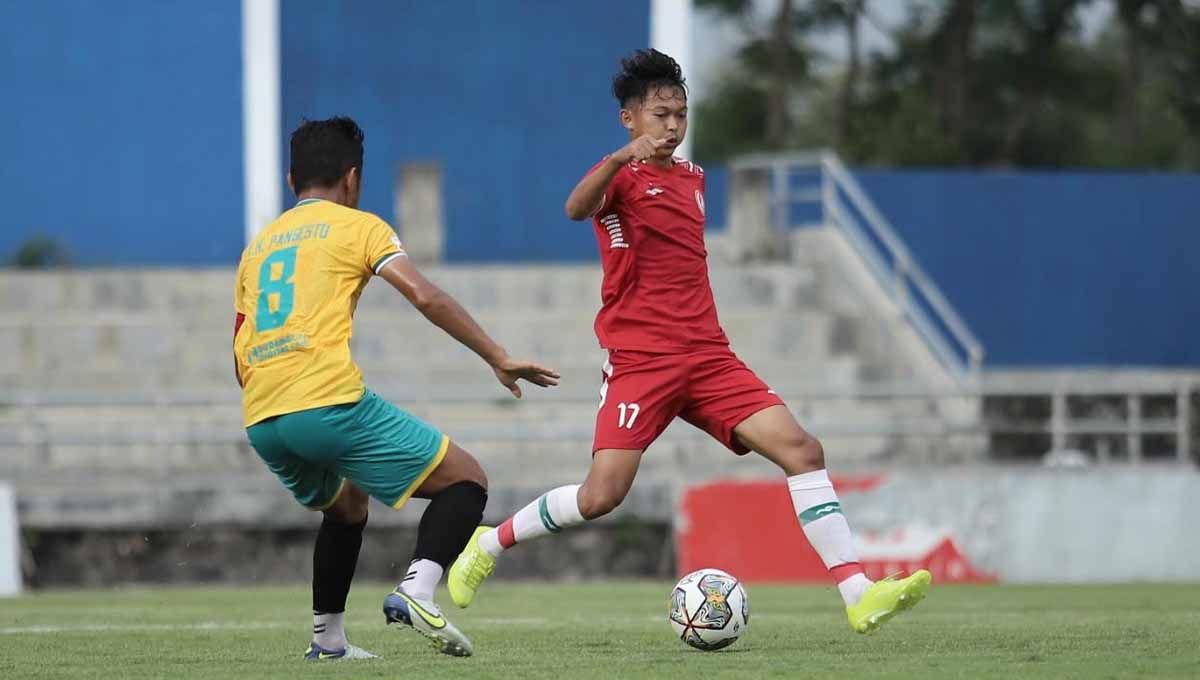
(845, 206)
(1105, 408)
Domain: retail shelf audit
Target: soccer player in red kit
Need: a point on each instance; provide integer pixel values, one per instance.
(669, 357)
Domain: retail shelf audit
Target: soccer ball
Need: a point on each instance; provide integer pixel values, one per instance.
(709, 609)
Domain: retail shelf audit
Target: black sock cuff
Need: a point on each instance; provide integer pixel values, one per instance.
(449, 521)
(466, 487)
(332, 524)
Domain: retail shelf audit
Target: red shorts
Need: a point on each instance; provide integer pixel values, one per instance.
(643, 392)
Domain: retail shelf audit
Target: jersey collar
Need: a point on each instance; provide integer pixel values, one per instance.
(308, 201)
(659, 170)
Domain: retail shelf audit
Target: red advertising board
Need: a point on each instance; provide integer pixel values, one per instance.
(749, 528)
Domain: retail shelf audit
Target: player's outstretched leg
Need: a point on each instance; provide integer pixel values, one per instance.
(335, 557)
(607, 483)
(774, 433)
(457, 490)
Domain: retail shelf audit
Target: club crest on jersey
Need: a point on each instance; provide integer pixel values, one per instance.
(700, 202)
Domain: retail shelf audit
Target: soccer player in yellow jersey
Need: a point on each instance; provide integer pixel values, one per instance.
(332, 442)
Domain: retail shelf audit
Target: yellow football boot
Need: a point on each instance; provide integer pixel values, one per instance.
(469, 570)
(884, 599)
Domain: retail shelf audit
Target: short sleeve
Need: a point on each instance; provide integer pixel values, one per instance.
(612, 195)
(381, 245)
(239, 288)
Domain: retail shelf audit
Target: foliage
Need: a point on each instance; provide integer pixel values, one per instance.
(994, 83)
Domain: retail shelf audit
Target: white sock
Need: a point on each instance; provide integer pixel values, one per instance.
(852, 589)
(329, 630)
(422, 579)
(554, 511)
(820, 514)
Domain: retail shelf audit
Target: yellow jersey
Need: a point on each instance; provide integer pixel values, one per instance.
(298, 283)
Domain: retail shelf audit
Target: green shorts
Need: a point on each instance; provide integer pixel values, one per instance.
(386, 452)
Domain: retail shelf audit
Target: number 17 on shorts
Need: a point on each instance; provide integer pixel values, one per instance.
(635, 404)
(632, 410)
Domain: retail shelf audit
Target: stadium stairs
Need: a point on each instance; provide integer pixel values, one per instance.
(119, 408)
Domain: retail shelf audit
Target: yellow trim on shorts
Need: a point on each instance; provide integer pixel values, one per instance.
(437, 460)
(336, 496)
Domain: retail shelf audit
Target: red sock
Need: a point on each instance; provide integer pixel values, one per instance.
(844, 571)
(505, 533)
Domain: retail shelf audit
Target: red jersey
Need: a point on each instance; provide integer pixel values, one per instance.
(656, 293)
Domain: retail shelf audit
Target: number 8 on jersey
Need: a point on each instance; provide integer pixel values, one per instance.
(275, 285)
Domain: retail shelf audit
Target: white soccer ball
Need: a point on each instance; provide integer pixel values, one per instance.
(709, 609)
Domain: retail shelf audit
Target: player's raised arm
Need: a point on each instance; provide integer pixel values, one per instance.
(587, 196)
(446, 313)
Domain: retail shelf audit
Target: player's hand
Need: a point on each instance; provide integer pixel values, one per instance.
(509, 371)
(640, 149)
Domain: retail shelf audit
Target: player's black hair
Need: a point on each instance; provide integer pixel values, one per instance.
(643, 71)
(323, 151)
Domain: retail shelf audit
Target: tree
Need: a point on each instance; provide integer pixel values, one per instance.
(1131, 13)
(777, 59)
(845, 15)
(1181, 59)
(967, 82)
(953, 40)
(751, 109)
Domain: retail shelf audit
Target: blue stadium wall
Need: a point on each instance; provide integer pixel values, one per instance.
(122, 139)
(1052, 268)
(512, 98)
(121, 128)
(1059, 268)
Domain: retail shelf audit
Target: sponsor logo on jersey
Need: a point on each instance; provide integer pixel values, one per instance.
(654, 191)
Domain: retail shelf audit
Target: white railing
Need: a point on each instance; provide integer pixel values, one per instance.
(846, 207)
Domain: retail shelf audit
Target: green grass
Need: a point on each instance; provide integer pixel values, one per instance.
(609, 630)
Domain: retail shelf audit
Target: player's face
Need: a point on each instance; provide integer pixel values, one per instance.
(662, 115)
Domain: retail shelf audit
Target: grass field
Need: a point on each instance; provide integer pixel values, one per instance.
(609, 630)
